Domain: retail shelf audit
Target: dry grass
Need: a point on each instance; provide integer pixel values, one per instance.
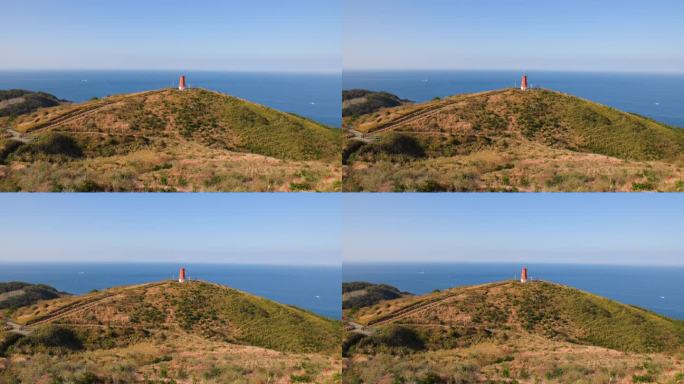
(180, 359)
(184, 168)
(513, 141)
(526, 167)
(522, 359)
(169, 141)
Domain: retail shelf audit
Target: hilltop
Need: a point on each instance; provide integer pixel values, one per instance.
(14, 102)
(359, 294)
(182, 323)
(167, 140)
(510, 140)
(15, 294)
(511, 331)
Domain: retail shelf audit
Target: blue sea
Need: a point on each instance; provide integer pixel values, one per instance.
(659, 96)
(316, 96)
(316, 288)
(659, 289)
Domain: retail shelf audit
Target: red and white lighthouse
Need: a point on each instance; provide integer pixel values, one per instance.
(181, 83)
(181, 275)
(523, 83)
(523, 275)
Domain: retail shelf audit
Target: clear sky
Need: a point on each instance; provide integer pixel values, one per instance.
(253, 35)
(593, 35)
(261, 228)
(604, 228)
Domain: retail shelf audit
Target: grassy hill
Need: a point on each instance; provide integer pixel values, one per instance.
(513, 140)
(357, 102)
(540, 329)
(359, 294)
(182, 323)
(15, 294)
(168, 140)
(14, 102)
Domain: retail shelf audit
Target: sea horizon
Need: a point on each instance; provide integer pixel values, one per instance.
(311, 94)
(312, 287)
(656, 288)
(659, 96)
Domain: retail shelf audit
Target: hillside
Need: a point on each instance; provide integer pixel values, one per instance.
(506, 331)
(167, 140)
(357, 102)
(182, 323)
(14, 102)
(15, 294)
(359, 294)
(537, 140)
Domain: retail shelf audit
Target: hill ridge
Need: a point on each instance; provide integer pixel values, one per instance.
(192, 140)
(511, 140)
(537, 307)
(195, 307)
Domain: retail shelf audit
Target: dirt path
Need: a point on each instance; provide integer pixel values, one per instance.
(69, 117)
(419, 307)
(359, 328)
(18, 328)
(81, 306)
(419, 114)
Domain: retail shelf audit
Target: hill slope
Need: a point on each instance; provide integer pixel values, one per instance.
(509, 139)
(546, 309)
(17, 294)
(192, 332)
(15, 102)
(357, 102)
(360, 294)
(222, 136)
(526, 326)
(203, 309)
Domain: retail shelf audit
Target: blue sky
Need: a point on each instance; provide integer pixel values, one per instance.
(602, 228)
(261, 228)
(254, 35)
(587, 35)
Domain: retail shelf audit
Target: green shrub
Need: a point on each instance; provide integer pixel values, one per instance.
(56, 336)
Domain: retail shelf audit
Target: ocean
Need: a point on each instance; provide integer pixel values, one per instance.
(658, 96)
(659, 289)
(316, 288)
(316, 96)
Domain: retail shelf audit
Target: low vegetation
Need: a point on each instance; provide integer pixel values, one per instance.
(511, 332)
(17, 294)
(196, 140)
(15, 102)
(169, 332)
(360, 294)
(357, 102)
(510, 140)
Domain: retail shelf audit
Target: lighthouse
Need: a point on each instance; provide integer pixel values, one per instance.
(181, 275)
(523, 275)
(181, 83)
(523, 83)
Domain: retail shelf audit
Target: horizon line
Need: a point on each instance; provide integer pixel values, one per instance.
(172, 70)
(170, 262)
(645, 72)
(606, 264)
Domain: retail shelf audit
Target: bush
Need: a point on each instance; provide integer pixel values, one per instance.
(400, 144)
(56, 336)
(55, 144)
(400, 336)
(7, 148)
(88, 186)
